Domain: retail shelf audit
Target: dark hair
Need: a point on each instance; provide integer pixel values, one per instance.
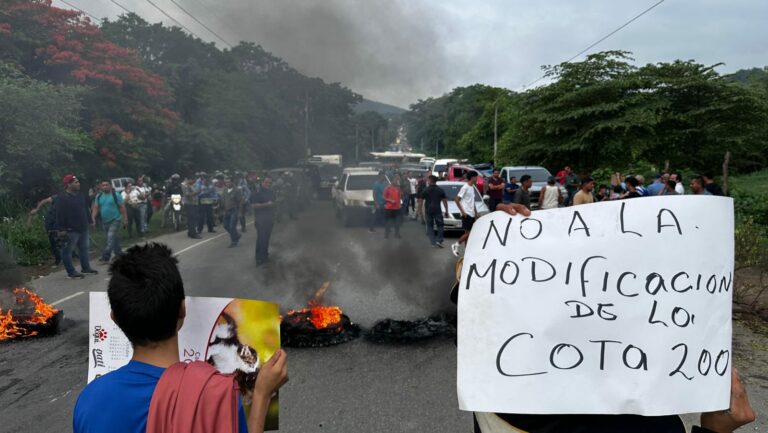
(632, 180)
(602, 185)
(671, 184)
(432, 178)
(698, 179)
(524, 177)
(679, 176)
(708, 175)
(145, 293)
(471, 174)
(617, 189)
(585, 180)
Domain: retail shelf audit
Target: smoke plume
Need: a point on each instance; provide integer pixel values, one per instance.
(386, 50)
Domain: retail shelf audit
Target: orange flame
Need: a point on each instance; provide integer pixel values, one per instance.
(43, 311)
(9, 327)
(323, 317)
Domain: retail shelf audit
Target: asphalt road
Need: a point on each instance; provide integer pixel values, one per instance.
(353, 387)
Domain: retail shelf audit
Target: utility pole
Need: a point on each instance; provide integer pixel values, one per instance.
(306, 124)
(357, 144)
(495, 131)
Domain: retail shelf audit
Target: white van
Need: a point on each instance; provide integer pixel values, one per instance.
(441, 166)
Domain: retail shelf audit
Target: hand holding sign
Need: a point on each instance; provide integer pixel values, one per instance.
(576, 310)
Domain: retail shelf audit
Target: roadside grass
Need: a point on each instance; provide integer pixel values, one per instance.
(755, 183)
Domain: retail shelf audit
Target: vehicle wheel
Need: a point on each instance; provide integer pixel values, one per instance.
(345, 218)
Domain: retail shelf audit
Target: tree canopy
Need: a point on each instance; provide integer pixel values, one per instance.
(605, 112)
(125, 97)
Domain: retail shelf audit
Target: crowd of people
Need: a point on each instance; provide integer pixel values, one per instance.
(397, 196)
(205, 202)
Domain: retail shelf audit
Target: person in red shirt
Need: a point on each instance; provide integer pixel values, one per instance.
(393, 201)
(562, 174)
(495, 189)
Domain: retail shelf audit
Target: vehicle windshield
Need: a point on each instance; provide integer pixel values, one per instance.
(440, 167)
(329, 170)
(361, 182)
(452, 190)
(537, 174)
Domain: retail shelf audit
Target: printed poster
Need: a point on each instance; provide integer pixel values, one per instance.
(235, 335)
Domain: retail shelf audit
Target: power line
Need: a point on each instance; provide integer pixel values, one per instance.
(201, 23)
(123, 7)
(82, 11)
(173, 19)
(603, 38)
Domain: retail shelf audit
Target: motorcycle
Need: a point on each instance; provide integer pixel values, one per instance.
(176, 211)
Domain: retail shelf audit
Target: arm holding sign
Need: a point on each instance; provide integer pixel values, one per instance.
(514, 209)
(739, 414)
(272, 376)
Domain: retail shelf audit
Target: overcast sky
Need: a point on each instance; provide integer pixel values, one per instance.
(399, 51)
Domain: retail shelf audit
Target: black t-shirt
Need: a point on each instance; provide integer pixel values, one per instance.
(433, 195)
(264, 195)
(633, 194)
(714, 189)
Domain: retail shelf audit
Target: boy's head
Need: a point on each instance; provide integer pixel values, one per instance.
(146, 294)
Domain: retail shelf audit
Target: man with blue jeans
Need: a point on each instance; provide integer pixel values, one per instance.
(72, 221)
(433, 196)
(378, 201)
(231, 201)
(110, 207)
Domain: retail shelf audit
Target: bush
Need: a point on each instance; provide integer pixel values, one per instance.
(26, 241)
(750, 205)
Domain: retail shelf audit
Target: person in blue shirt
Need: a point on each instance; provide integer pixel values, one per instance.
(509, 190)
(109, 206)
(378, 201)
(146, 295)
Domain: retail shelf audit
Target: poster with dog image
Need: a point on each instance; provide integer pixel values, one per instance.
(234, 335)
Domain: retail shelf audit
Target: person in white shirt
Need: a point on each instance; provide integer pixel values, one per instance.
(678, 178)
(465, 200)
(412, 201)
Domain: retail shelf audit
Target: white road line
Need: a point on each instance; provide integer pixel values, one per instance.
(67, 298)
(176, 254)
(200, 243)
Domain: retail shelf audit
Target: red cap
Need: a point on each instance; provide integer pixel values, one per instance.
(68, 179)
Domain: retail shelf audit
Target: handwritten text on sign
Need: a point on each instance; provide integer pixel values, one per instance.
(607, 308)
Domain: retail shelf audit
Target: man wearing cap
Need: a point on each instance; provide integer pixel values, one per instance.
(72, 221)
(584, 196)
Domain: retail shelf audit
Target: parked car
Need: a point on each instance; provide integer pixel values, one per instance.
(451, 188)
(118, 184)
(486, 169)
(457, 173)
(539, 176)
(353, 194)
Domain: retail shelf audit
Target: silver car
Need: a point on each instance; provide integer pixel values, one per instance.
(451, 188)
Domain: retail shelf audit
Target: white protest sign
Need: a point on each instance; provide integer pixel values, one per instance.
(620, 307)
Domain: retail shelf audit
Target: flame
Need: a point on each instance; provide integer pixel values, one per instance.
(323, 317)
(43, 311)
(9, 327)
(319, 316)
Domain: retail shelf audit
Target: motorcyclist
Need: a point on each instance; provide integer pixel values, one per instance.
(173, 187)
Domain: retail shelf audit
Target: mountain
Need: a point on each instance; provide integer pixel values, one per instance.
(385, 110)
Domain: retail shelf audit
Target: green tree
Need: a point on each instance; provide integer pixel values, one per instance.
(39, 131)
